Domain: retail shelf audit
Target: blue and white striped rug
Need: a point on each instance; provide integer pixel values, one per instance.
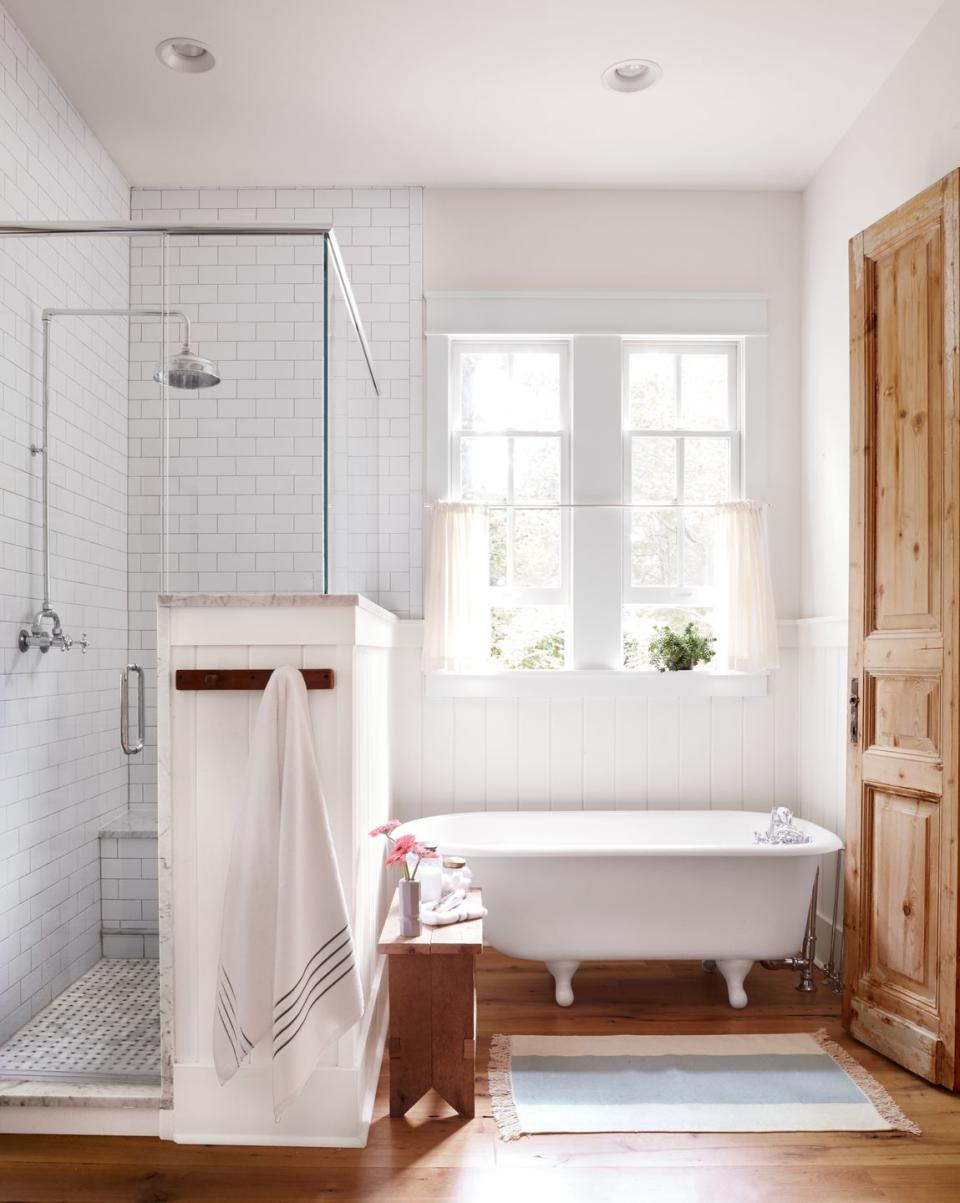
(772, 1083)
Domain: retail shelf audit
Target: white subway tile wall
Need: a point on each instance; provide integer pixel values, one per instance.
(245, 495)
(129, 906)
(61, 769)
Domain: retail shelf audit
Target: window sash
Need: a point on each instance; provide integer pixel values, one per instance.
(680, 348)
(511, 595)
(681, 594)
(492, 346)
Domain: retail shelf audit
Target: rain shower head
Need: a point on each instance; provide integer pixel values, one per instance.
(186, 369)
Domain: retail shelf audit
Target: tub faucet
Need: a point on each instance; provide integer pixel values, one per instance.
(39, 636)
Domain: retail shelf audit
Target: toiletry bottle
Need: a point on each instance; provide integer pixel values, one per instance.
(430, 875)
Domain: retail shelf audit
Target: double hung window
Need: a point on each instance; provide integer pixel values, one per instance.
(513, 447)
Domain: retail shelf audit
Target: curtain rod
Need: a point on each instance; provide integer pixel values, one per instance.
(588, 505)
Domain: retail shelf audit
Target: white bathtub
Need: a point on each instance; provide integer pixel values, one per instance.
(569, 886)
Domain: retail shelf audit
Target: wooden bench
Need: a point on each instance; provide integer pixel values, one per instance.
(433, 1033)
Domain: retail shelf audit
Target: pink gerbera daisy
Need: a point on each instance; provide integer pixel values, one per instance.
(386, 828)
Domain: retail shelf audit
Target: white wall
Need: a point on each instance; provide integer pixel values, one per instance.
(906, 138)
(61, 768)
(563, 241)
(552, 752)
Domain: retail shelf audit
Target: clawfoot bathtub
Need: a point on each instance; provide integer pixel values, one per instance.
(570, 886)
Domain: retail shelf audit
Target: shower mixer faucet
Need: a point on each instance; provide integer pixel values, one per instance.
(39, 636)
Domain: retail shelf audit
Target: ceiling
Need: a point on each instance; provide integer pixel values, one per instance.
(482, 93)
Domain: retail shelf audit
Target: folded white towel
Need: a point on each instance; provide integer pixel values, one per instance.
(286, 954)
(453, 907)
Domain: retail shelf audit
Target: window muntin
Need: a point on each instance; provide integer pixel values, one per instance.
(510, 427)
(682, 451)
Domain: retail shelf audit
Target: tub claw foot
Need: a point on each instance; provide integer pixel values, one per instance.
(734, 973)
(563, 972)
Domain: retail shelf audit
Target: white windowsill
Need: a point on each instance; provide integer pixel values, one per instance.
(602, 683)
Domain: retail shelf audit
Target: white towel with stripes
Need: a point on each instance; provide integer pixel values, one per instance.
(287, 967)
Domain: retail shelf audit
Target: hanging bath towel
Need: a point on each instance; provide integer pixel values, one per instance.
(287, 964)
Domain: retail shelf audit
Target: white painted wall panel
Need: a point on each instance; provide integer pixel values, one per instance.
(726, 754)
(664, 750)
(591, 752)
(469, 753)
(503, 726)
(210, 742)
(630, 753)
(599, 747)
(566, 753)
(533, 754)
(437, 752)
(822, 739)
(695, 753)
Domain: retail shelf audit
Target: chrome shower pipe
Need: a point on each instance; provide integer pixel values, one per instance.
(126, 229)
(48, 315)
(135, 311)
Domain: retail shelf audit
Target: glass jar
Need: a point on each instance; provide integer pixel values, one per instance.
(430, 874)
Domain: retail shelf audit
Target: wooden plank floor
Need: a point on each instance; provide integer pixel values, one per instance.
(434, 1156)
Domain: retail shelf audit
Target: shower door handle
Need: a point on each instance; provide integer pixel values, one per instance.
(131, 749)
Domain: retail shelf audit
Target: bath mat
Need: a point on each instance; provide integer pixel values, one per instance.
(770, 1083)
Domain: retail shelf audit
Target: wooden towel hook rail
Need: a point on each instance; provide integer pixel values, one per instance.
(246, 678)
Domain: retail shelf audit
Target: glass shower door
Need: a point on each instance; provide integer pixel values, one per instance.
(243, 465)
(361, 505)
(79, 956)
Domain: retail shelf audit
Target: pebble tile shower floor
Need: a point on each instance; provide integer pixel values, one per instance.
(105, 1027)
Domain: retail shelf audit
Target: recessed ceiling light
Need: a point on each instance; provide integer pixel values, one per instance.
(185, 54)
(632, 75)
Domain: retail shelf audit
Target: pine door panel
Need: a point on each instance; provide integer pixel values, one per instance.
(900, 984)
(907, 481)
(904, 881)
(903, 712)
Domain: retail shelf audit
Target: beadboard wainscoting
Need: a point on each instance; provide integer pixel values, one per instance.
(590, 752)
(822, 693)
(562, 751)
(204, 742)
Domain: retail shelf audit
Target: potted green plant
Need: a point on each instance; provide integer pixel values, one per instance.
(678, 651)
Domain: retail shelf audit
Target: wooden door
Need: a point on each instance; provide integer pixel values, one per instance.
(900, 979)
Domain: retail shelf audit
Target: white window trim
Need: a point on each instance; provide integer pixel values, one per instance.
(484, 316)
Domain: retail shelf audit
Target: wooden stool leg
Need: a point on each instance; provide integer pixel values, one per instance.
(409, 1031)
(454, 1030)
